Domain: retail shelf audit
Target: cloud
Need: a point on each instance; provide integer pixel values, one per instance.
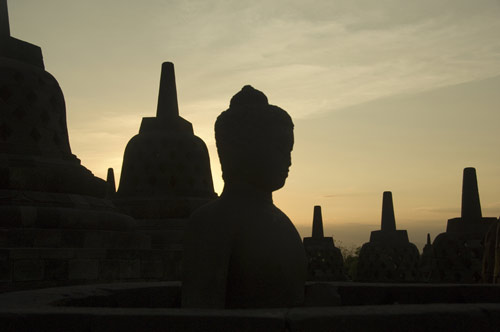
(309, 58)
(348, 194)
(321, 57)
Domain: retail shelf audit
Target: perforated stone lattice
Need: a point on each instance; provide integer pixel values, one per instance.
(325, 264)
(388, 263)
(169, 165)
(456, 259)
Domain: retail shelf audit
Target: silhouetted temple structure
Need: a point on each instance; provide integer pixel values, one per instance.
(34, 143)
(166, 168)
(56, 225)
(491, 259)
(70, 260)
(426, 259)
(325, 261)
(459, 251)
(389, 256)
(111, 186)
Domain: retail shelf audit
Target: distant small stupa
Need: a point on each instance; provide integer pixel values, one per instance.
(471, 221)
(458, 253)
(389, 256)
(325, 260)
(427, 259)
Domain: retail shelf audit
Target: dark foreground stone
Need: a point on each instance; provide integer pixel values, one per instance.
(155, 307)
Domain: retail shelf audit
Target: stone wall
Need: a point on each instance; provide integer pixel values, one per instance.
(43, 267)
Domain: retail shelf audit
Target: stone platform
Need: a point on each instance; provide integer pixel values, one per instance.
(26, 268)
(155, 307)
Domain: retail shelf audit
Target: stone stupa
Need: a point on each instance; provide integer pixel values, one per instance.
(166, 170)
(426, 260)
(325, 262)
(389, 256)
(458, 253)
(56, 226)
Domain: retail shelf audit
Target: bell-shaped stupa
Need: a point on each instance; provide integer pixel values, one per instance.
(56, 225)
(389, 256)
(35, 154)
(459, 251)
(166, 168)
(325, 262)
(42, 184)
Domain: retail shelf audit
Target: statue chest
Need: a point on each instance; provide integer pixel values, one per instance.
(268, 263)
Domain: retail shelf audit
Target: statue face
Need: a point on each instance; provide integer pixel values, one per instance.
(272, 162)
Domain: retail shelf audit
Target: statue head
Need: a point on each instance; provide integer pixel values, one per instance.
(254, 141)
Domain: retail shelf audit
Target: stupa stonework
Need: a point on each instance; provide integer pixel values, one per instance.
(389, 256)
(166, 168)
(325, 262)
(458, 253)
(426, 260)
(56, 226)
(491, 259)
(34, 145)
(41, 181)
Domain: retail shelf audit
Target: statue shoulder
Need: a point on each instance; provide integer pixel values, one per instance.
(211, 216)
(280, 214)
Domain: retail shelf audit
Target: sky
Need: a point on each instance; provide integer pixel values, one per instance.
(386, 95)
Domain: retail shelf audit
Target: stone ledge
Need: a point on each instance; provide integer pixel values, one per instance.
(150, 307)
(409, 317)
(40, 266)
(72, 238)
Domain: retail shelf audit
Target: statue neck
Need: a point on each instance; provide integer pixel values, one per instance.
(246, 191)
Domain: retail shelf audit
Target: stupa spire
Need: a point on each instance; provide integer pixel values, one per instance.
(471, 206)
(13, 48)
(110, 183)
(317, 231)
(428, 239)
(388, 220)
(167, 97)
(4, 19)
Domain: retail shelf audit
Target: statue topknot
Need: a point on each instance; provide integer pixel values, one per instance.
(248, 96)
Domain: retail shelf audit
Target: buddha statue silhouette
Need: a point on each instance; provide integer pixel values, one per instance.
(241, 251)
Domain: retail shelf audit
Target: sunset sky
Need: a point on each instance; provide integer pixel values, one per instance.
(385, 95)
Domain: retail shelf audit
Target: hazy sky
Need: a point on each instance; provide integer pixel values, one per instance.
(385, 95)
